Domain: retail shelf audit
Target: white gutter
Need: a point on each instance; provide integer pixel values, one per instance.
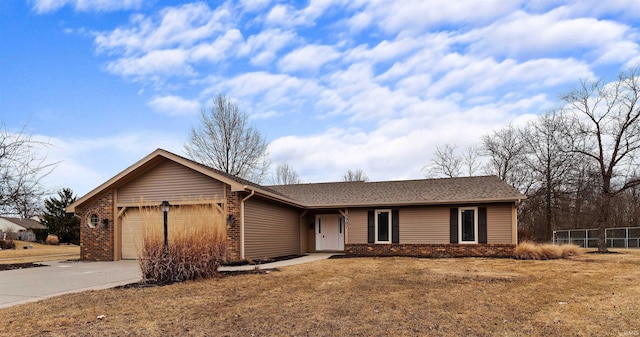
(242, 223)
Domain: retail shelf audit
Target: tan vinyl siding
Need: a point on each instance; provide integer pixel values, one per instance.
(499, 224)
(270, 229)
(420, 225)
(357, 226)
(169, 181)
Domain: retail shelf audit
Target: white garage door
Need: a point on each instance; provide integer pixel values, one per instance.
(137, 223)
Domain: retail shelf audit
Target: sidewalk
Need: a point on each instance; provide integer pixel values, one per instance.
(299, 260)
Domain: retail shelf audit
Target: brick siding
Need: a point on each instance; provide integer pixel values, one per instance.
(431, 250)
(97, 244)
(233, 227)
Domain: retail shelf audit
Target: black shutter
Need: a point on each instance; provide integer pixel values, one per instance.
(453, 225)
(371, 227)
(482, 225)
(395, 226)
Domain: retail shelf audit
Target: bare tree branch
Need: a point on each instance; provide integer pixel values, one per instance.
(225, 141)
(445, 162)
(356, 175)
(506, 151)
(285, 175)
(22, 169)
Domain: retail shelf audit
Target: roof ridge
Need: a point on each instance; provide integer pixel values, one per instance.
(386, 181)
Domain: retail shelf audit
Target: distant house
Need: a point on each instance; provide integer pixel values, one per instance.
(19, 229)
(472, 216)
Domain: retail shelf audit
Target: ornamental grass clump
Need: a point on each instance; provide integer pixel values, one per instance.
(196, 244)
(52, 240)
(532, 251)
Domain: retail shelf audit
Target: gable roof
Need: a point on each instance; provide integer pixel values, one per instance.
(481, 189)
(158, 156)
(25, 223)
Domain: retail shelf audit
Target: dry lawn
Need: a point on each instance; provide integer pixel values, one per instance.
(38, 253)
(589, 295)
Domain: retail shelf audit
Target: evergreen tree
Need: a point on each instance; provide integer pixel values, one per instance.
(65, 225)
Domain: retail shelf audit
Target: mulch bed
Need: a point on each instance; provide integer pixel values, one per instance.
(19, 266)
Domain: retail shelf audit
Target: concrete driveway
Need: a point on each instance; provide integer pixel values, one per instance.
(62, 277)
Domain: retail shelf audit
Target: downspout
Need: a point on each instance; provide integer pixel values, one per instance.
(242, 222)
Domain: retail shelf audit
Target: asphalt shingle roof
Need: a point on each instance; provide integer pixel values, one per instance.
(424, 191)
(26, 223)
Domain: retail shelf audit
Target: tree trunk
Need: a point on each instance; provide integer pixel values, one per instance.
(603, 221)
(548, 230)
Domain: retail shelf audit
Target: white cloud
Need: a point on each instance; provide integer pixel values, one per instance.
(261, 93)
(470, 75)
(174, 105)
(85, 163)
(168, 44)
(217, 50)
(172, 27)
(170, 62)
(49, 6)
(398, 147)
(416, 16)
(523, 36)
(254, 5)
(308, 58)
(386, 49)
(265, 45)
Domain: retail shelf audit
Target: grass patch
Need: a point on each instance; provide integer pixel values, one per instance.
(586, 295)
(532, 251)
(35, 252)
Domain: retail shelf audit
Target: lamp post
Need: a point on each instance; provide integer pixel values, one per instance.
(165, 206)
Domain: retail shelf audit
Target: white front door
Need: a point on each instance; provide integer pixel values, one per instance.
(329, 232)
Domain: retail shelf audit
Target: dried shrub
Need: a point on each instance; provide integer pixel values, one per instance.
(196, 244)
(531, 251)
(7, 244)
(52, 240)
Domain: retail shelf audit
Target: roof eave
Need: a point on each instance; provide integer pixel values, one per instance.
(272, 196)
(418, 203)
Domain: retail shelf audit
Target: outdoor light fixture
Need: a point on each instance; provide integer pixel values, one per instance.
(230, 219)
(165, 206)
(105, 222)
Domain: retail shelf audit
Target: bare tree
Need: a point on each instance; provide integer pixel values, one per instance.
(506, 150)
(22, 169)
(605, 130)
(225, 141)
(445, 162)
(549, 162)
(285, 175)
(357, 175)
(471, 161)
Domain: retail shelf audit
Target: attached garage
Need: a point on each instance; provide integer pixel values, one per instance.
(202, 219)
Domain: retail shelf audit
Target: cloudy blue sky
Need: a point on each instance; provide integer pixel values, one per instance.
(333, 84)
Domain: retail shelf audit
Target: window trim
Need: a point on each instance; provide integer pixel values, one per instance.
(475, 224)
(90, 222)
(375, 216)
